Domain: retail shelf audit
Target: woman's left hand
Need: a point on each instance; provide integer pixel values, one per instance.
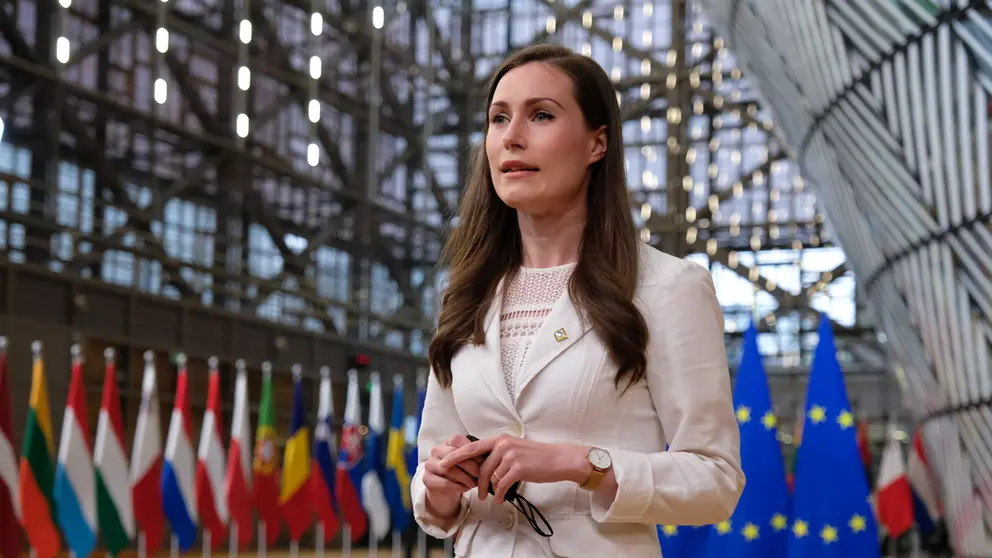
(513, 459)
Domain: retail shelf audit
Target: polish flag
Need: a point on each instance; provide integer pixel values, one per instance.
(927, 508)
(11, 538)
(895, 500)
(211, 465)
(237, 482)
(146, 464)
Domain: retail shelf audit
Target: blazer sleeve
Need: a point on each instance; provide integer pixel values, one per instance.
(699, 480)
(439, 422)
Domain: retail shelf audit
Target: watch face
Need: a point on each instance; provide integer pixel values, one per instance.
(600, 458)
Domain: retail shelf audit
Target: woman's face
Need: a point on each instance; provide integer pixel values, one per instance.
(538, 144)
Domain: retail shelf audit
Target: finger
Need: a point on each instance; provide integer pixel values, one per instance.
(508, 475)
(457, 441)
(473, 449)
(470, 466)
(486, 473)
(443, 484)
(456, 476)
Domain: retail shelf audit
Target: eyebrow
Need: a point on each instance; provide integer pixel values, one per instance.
(528, 102)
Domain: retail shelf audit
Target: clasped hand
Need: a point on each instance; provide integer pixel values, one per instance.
(458, 465)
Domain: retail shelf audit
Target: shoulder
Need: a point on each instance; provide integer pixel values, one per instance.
(660, 270)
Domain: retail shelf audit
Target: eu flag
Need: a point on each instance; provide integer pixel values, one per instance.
(684, 541)
(759, 526)
(832, 517)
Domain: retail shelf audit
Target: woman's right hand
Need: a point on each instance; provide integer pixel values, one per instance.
(445, 487)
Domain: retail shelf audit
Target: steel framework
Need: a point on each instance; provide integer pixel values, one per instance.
(887, 106)
(299, 161)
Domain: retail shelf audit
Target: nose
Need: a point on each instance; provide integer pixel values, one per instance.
(513, 134)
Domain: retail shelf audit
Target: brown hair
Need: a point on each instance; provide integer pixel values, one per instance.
(485, 245)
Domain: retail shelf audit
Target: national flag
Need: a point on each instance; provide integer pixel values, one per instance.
(266, 464)
(864, 448)
(75, 490)
(11, 539)
(211, 465)
(832, 516)
(179, 468)
(926, 505)
(373, 494)
(348, 476)
(895, 500)
(297, 507)
(237, 481)
(397, 476)
(322, 477)
(684, 541)
(37, 471)
(114, 509)
(412, 457)
(146, 462)
(759, 526)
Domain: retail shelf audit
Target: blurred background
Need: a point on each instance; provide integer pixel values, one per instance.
(271, 180)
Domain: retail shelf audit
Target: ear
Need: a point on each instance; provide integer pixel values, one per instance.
(598, 145)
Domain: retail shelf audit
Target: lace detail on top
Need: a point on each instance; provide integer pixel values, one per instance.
(527, 300)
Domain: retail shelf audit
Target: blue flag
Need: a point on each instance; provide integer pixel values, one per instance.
(832, 517)
(684, 541)
(759, 526)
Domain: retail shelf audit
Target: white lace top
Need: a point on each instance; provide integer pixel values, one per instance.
(527, 301)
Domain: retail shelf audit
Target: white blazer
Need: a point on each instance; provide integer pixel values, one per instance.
(566, 394)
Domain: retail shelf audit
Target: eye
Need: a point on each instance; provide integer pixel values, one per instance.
(497, 118)
(543, 115)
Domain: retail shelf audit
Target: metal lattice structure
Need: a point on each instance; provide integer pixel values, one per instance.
(887, 106)
(293, 165)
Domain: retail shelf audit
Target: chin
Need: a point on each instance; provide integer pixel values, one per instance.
(517, 196)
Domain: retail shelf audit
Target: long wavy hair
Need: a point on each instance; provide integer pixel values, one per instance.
(485, 246)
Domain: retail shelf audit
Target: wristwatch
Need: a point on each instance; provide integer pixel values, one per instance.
(601, 462)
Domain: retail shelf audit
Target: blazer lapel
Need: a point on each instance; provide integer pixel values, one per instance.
(561, 329)
(489, 361)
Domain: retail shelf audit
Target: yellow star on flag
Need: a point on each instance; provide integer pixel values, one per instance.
(750, 531)
(828, 534)
(845, 419)
(769, 420)
(857, 523)
(669, 530)
(800, 528)
(723, 527)
(743, 414)
(779, 522)
(817, 414)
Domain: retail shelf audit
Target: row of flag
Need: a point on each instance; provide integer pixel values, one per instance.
(831, 510)
(92, 490)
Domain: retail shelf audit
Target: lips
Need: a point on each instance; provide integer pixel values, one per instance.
(517, 166)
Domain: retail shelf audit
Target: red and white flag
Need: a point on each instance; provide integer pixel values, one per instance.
(146, 463)
(239, 465)
(11, 538)
(895, 500)
(211, 465)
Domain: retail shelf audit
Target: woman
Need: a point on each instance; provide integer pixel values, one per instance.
(573, 352)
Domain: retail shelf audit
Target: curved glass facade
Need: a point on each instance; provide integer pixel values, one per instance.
(886, 105)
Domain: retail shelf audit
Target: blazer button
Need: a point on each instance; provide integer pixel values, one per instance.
(511, 521)
(517, 429)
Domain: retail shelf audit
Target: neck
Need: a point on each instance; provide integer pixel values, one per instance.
(551, 239)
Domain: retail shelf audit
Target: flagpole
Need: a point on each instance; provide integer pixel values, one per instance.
(206, 542)
(449, 548)
(174, 546)
(261, 539)
(397, 544)
(233, 542)
(373, 546)
(346, 540)
(294, 549)
(421, 543)
(320, 539)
